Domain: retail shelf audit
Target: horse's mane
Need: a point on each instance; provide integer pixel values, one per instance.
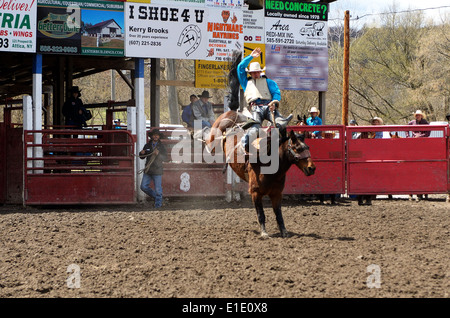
(285, 138)
(233, 80)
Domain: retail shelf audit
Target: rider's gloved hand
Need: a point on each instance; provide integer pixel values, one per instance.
(273, 105)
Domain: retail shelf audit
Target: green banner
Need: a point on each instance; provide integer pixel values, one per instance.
(80, 27)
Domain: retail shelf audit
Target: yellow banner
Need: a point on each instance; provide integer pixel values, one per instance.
(210, 74)
(140, 1)
(249, 47)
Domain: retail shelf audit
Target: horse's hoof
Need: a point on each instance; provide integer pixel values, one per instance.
(284, 234)
(264, 235)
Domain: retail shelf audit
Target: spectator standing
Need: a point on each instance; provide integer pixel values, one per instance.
(314, 120)
(420, 119)
(155, 154)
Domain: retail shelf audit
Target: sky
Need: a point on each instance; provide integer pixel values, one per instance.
(363, 7)
(96, 16)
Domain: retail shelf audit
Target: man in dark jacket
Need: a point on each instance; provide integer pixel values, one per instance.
(188, 114)
(155, 154)
(73, 109)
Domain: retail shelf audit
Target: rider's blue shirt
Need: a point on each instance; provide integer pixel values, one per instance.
(242, 75)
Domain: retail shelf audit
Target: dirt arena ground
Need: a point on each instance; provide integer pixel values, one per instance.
(211, 248)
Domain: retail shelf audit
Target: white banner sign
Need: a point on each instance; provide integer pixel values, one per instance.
(189, 3)
(165, 32)
(253, 26)
(231, 4)
(225, 33)
(18, 25)
(199, 33)
(296, 32)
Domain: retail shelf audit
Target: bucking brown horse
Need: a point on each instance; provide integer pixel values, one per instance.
(291, 151)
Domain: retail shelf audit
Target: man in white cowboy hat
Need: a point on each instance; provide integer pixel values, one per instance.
(203, 110)
(261, 94)
(314, 120)
(377, 121)
(420, 119)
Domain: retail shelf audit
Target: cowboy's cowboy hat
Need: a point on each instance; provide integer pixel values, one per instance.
(75, 89)
(419, 112)
(377, 118)
(155, 132)
(314, 110)
(254, 67)
(204, 94)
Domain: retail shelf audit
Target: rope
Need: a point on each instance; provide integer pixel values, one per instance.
(147, 164)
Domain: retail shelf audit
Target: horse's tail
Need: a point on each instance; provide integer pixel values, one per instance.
(233, 80)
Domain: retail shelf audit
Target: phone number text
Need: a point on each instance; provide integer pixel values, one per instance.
(144, 43)
(58, 49)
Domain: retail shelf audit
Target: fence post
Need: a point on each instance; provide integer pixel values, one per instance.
(27, 125)
(131, 127)
(346, 69)
(140, 122)
(37, 109)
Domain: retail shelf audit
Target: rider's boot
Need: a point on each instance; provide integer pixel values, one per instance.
(250, 135)
(283, 122)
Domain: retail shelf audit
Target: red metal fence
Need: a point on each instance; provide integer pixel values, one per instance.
(99, 168)
(96, 167)
(398, 165)
(355, 166)
(328, 154)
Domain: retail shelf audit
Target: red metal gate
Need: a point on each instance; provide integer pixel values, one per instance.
(11, 156)
(97, 167)
(328, 154)
(398, 165)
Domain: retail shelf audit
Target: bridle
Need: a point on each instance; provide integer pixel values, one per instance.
(298, 156)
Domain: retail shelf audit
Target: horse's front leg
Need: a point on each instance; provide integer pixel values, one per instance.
(257, 202)
(276, 205)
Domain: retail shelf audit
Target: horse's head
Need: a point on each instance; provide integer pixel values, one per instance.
(301, 121)
(298, 153)
(394, 135)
